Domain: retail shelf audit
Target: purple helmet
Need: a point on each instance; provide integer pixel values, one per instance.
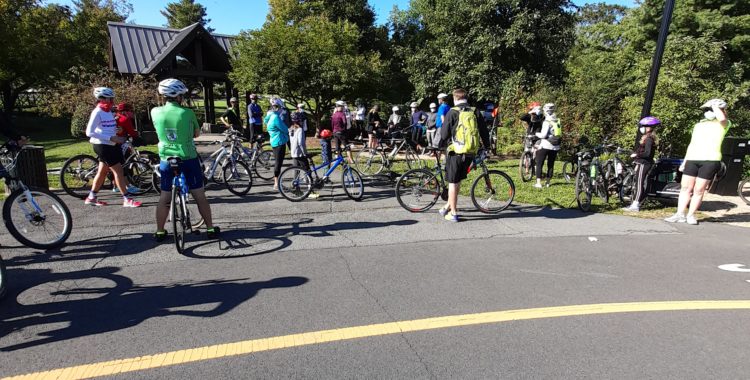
(649, 121)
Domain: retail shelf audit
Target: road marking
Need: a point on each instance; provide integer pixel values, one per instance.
(317, 337)
(735, 268)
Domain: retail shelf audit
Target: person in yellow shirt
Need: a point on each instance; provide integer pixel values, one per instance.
(702, 160)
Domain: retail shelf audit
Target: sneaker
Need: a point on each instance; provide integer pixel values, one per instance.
(676, 218)
(314, 196)
(443, 212)
(451, 217)
(132, 189)
(159, 236)
(631, 208)
(537, 185)
(213, 233)
(94, 202)
(130, 203)
(690, 219)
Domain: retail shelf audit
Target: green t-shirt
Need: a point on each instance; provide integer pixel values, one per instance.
(175, 126)
(705, 144)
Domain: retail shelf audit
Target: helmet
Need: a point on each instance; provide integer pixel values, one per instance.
(325, 134)
(277, 102)
(414, 105)
(715, 102)
(395, 109)
(649, 121)
(533, 105)
(433, 105)
(549, 108)
(300, 105)
(340, 103)
(233, 99)
(253, 96)
(104, 92)
(172, 88)
(442, 95)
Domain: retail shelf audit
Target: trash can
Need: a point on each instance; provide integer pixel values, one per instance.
(31, 167)
(733, 150)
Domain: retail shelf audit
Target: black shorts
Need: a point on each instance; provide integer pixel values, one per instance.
(340, 140)
(702, 169)
(457, 167)
(109, 154)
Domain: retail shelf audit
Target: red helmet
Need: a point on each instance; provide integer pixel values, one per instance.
(534, 104)
(326, 134)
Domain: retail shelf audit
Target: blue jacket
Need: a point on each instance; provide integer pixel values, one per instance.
(276, 129)
(442, 111)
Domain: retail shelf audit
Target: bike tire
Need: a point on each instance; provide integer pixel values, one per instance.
(370, 162)
(602, 189)
(494, 185)
(627, 189)
(3, 279)
(569, 170)
(526, 167)
(77, 175)
(295, 184)
(743, 190)
(237, 178)
(413, 161)
(264, 165)
(179, 225)
(583, 191)
(352, 183)
(417, 183)
(51, 205)
(139, 175)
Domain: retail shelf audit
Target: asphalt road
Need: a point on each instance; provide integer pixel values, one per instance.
(286, 268)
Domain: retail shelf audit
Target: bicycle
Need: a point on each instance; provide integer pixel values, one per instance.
(527, 163)
(590, 178)
(619, 175)
(179, 210)
(371, 162)
(490, 186)
(36, 217)
(262, 161)
(235, 173)
(296, 184)
(743, 190)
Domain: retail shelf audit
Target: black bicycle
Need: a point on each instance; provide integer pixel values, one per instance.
(590, 179)
(527, 163)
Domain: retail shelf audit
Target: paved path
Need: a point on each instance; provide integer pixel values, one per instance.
(317, 267)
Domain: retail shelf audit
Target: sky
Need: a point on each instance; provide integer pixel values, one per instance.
(233, 16)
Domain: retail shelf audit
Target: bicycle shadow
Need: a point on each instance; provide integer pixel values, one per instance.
(96, 301)
(546, 211)
(262, 238)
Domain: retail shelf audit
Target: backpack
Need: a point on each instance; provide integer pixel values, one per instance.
(466, 139)
(555, 133)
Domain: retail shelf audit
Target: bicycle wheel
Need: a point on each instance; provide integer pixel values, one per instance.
(413, 161)
(179, 222)
(493, 192)
(526, 167)
(370, 162)
(295, 184)
(627, 189)
(743, 190)
(264, 165)
(39, 219)
(140, 176)
(237, 178)
(418, 190)
(77, 175)
(3, 279)
(196, 220)
(569, 170)
(583, 191)
(352, 183)
(602, 190)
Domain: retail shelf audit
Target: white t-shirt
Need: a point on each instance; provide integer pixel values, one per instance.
(361, 111)
(101, 127)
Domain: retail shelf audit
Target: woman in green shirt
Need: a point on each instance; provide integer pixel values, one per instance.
(702, 160)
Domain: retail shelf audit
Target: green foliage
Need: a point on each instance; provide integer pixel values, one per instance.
(79, 120)
(184, 13)
(88, 32)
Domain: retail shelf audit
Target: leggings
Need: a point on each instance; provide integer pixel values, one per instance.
(541, 154)
(302, 163)
(641, 172)
(278, 154)
(325, 150)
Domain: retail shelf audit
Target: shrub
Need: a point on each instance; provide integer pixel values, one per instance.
(79, 120)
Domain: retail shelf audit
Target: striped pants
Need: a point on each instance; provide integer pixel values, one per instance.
(641, 171)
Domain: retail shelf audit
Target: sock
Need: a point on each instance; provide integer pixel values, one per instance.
(92, 194)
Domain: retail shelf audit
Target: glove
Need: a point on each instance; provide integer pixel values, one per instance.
(720, 103)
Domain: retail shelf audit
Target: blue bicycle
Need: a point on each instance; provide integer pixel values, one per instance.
(296, 184)
(180, 211)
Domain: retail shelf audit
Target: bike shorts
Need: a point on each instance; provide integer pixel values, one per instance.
(702, 169)
(457, 167)
(190, 168)
(340, 141)
(109, 154)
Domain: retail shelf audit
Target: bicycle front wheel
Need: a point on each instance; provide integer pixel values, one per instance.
(351, 180)
(569, 170)
(583, 191)
(526, 167)
(179, 220)
(37, 219)
(264, 165)
(77, 175)
(295, 184)
(743, 190)
(370, 162)
(237, 178)
(418, 190)
(493, 192)
(140, 175)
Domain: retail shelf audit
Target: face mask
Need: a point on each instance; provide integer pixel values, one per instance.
(710, 115)
(106, 106)
(642, 129)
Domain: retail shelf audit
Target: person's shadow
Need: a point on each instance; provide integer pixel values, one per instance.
(97, 301)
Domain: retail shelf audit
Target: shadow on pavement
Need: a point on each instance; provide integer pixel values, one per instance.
(89, 302)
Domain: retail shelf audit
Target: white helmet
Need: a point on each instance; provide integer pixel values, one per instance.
(340, 103)
(414, 105)
(549, 108)
(442, 95)
(103, 92)
(395, 109)
(433, 105)
(172, 88)
(715, 102)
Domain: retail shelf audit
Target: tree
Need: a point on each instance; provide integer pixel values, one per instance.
(312, 61)
(88, 32)
(185, 13)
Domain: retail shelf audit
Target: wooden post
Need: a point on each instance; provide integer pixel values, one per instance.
(208, 100)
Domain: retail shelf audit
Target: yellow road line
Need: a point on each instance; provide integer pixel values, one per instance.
(317, 337)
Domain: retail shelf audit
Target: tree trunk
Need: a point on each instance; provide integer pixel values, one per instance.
(9, 101)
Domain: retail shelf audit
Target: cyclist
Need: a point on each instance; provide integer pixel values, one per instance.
(230, 117)
(374, 123)
(360, 118)
(298, 147)
(102, 133)
(126, 128)
(418, 121)
(457, 163)
(549, 144)
(176, 127)
(254, 128)
(301, 116)
(443, 109)
(702, 160)
(643, 157)
(339, 123)
(279, 133)
(432, 125)
(533, 119)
